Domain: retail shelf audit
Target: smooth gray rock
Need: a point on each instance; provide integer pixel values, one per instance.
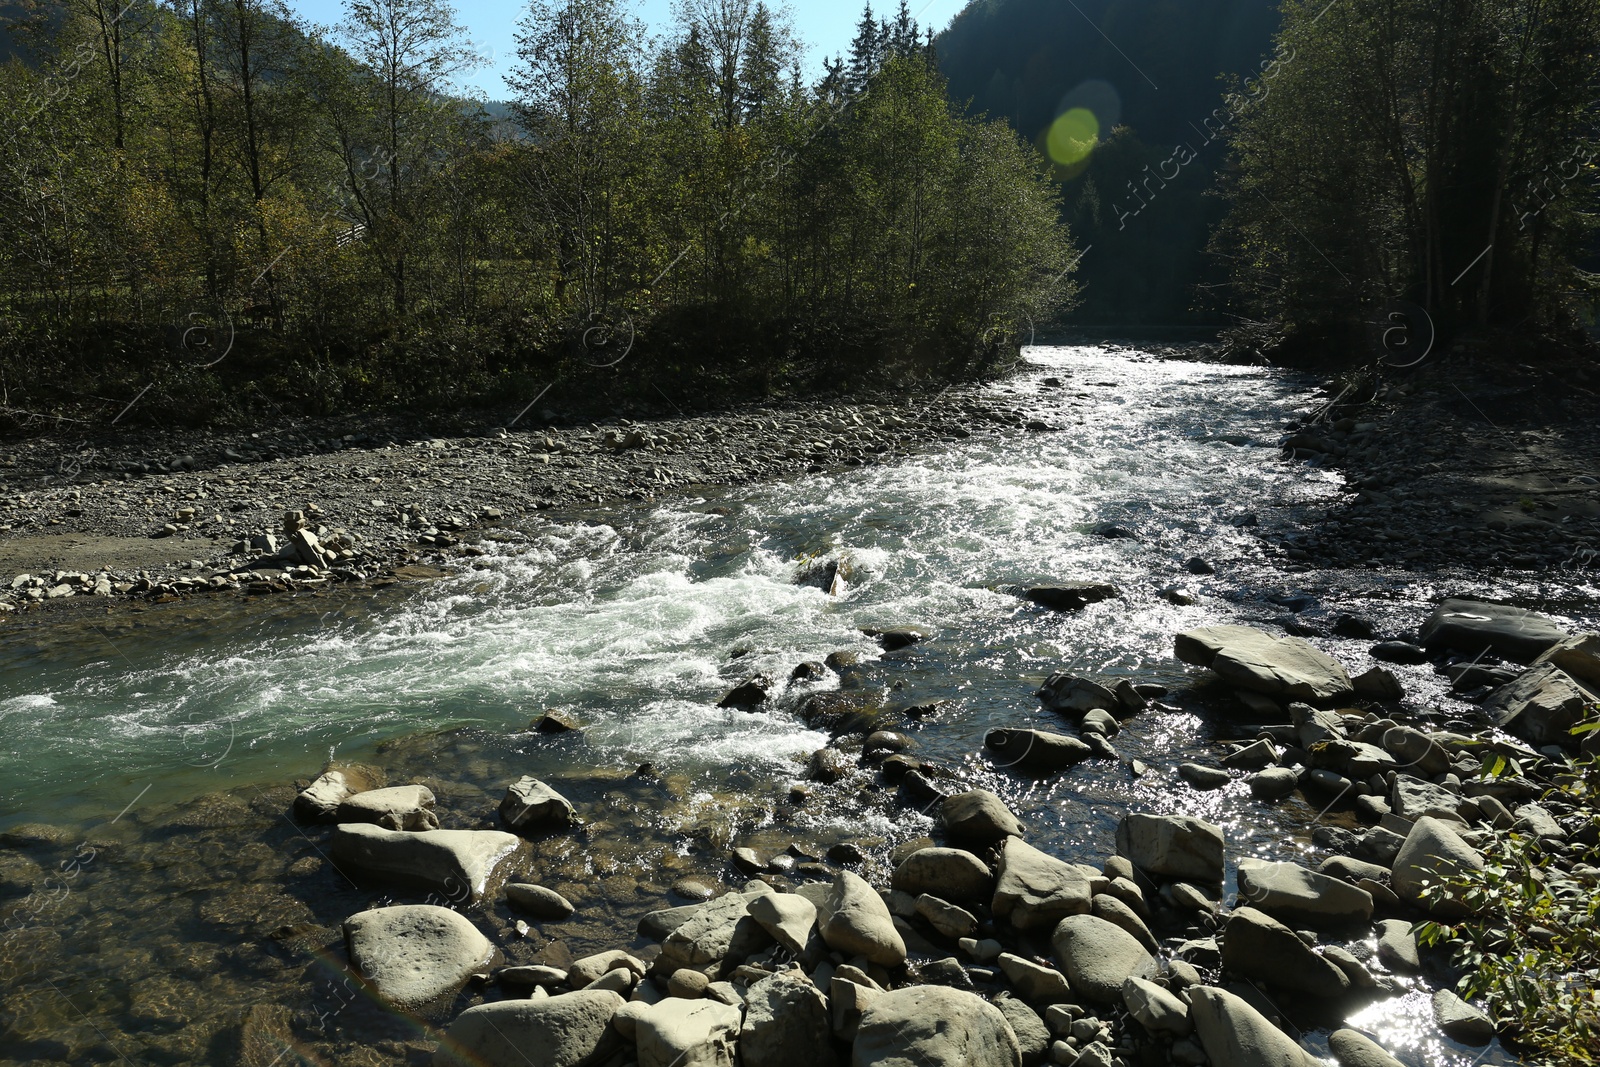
(950, 921)
(1035, 890)
(1070, 693)
(1460, 1020)
(1355, 1049)
(591, 969)
(319, 801)
(1472, 627)
(978, 818)
(1035, 751)
(462, 865)
(538, 901)
(855, 921)
(1541, 706)
(1234, 1034)
(1412, 748)
(1156, 1009)
(1255, 945)
(1203, 777)
(571, 1030)
(708, 935)
(399, 807)
(933, 1026)
(688, 1033)
(531, 807)
(951, 873)
(1412, 798)
(1172, 846)
(1098, 956)
(786, 1023)
(1397, 946)
(415, 954)
(1296, 895)
(1120, 914)
(1434, 852)
(1579, 656)
(1033, 1037)
(1037, 984)
(1274, 783)
(1284, 667)
(788, 917)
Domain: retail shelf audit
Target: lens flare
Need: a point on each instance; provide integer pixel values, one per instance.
(1073, 136)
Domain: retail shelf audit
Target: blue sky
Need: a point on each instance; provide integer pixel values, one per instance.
(826, 26)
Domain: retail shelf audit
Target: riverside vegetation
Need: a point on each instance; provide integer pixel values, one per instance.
(213, 206)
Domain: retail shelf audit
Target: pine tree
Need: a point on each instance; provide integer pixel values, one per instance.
(866, 51)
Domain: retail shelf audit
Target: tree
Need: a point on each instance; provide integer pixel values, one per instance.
(866, 51)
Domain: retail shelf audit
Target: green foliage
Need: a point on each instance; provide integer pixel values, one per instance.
(1436, 151)
(203, 181)
(1532, 946)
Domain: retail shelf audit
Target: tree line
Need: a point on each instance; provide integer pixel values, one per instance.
(209, 198)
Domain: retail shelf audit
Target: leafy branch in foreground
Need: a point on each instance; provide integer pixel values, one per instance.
(1531, 948)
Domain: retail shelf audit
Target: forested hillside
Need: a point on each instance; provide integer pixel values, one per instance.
(206, 204)
(1150, 72)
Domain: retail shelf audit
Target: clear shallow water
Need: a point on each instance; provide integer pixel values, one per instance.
(636, 623)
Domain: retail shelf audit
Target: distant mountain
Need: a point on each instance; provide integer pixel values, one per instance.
(1152, 66)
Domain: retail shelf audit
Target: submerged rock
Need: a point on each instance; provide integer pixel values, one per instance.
(530, 807)
(1071, 596)
(415, 954)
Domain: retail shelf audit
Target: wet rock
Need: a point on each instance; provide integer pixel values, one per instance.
(1274, 783)
(1234, 1034)
(854, 920)
(934, 1026)
(1036, 751)
(1461, 1021)
(1034, 890)
(1098, 956)
(1293, 894)
(1378, 684)
(1285, 667)
(1172, 846)
(415, 954)
(538, 901)
(895, 637)
(788, 917)
(319, 802)
(1433, 852)
(531, 976)
(1472, 627)
(751, 693)
(1402, 652)
(463, 865)
(1255, 945)
(1542, 706)
(786, 1024)
(1355, 1049)
(1071, 596)
(1157, 1010)
(829, 765)
(532, 807)
(978, 817)
(1070, 693)
(693, 889)
(570, 1030)
(1255, 756)
(557, 722)
(1202, 777)
(950, 921)
(951, 872)
(399, 807)
(842, 713)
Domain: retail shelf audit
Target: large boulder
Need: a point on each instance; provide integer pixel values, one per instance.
(1036, 891)
(1293, 894)
(1035, 751)
(1033, 1036)
(1434, 853)
(1172, 846)
(709, 935)
(1255, 945)
(532, 807)
(319, 801)
(1352, 1048)
(933, 1026)
(853, 919)
(978, 818)
(950, 873)
(786, 1024)
(1157, 1010)
(1071, 694)
(1472, 627)
(1579, 656)
(571, 1030)
(1249, 659)
(1234, 1034)
(788, 918)
(1412, 798)
(1542, 706)
(688, 1033)
(415, 954)
(461, 865)
(399, 807)
(1098, 957)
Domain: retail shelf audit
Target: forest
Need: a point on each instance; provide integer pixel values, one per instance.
(216, 204)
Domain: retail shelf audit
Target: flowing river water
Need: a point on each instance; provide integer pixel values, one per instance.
(160, 748)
